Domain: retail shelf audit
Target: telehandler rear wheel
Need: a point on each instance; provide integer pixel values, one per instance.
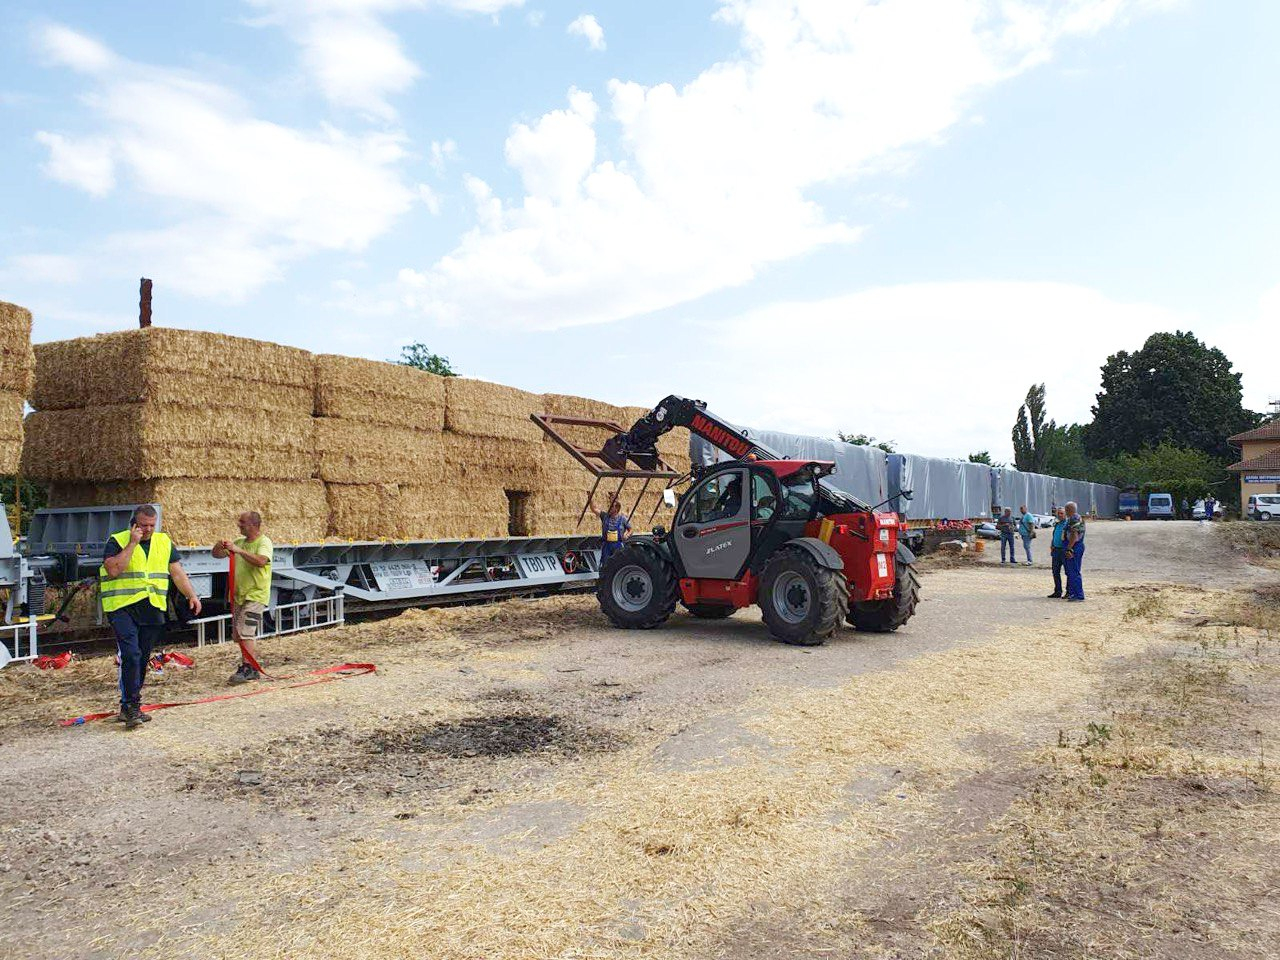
(801, 601)
(637, 588)
(885, 616)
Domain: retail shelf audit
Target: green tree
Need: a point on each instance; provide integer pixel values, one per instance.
(1175, 391)
(982, 456)
(863, 440)
(34, 496)
(417, 355)
(1030, 450)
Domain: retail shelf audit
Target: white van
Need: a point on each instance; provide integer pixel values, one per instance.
(1264, 506)
(1160, 506)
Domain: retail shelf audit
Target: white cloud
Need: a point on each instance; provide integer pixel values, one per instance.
(66, 47)
(247, 195)
(588, 28)
(43, 268)
(710, 183)
(350, 54)
(86, 163)
(938, 367)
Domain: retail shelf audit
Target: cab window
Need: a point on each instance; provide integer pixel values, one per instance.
(764, 504)
(798, 495)
(720, 498)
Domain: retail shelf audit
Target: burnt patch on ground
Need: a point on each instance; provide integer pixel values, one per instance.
(506, 735)
(430, 761)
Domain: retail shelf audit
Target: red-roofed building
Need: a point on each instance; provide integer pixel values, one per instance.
(1259, 464)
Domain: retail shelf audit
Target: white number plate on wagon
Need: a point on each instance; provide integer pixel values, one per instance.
(539, 566)
(402, 575)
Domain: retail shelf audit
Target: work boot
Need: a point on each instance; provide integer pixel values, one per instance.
(134, 717)
(123, 715)
(1054, 596)
(244, 673)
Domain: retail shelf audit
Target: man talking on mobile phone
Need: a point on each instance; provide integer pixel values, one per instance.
(133, 585)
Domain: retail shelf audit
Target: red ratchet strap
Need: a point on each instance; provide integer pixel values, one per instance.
(46, 662)
(339, 671)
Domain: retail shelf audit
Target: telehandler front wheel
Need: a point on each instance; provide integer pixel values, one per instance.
(637, 588)
(802, 602)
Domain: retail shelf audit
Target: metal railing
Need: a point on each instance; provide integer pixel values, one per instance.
(20, 640)
(288, 618)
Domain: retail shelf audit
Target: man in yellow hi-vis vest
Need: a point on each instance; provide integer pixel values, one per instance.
(133, 585)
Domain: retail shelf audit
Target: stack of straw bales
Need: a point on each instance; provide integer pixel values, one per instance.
(208, 425)
(380, 447)
(17, 367)
(205, 424)
(491, 448)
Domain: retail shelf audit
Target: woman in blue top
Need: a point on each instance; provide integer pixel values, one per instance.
(1057, 549)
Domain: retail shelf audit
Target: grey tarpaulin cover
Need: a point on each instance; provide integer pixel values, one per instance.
(859, 470)
(942, 489)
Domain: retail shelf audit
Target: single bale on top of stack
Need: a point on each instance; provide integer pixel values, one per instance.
(379, 440)
(202, 423)
(492, 459)
(17, 369)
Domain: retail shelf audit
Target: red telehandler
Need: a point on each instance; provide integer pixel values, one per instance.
(759, 529)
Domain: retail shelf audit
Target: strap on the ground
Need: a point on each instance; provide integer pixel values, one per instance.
(340, 671)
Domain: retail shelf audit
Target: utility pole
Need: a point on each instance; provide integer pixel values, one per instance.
(144, 303)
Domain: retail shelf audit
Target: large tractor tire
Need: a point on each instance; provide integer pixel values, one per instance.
(710, 611)
(802, 601)
(637, 588)
(885, 616)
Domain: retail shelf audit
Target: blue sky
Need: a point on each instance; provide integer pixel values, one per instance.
(887, 218)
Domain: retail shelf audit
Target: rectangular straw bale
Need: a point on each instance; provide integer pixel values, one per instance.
(166, 365)
(367, 511)
(376, 392)
(352, 452)
(589, 438)
(504, 463)
(477, 408)
(205, 511)
(11, 407)
(415, 512)
(17, 361)
(463, 512)
(138, 441)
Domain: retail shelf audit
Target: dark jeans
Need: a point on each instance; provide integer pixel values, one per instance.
(1056, 553)
(134, 643)
(1007, 539)
(1075, 585)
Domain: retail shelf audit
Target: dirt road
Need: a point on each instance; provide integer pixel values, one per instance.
(521, 781)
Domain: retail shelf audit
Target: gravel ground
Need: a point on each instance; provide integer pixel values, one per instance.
(501, 745)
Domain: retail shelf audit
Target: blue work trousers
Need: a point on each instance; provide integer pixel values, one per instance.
(608, 548)
(134, 643)
(1075, 585)
(1006, 540)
